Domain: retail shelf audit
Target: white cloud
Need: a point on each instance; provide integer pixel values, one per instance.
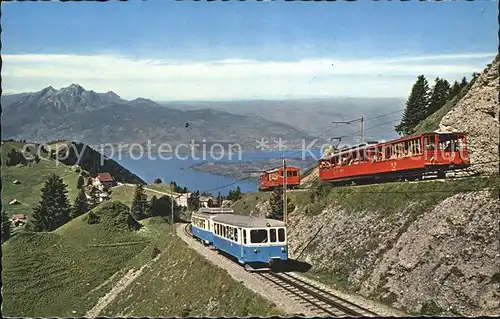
(234, 78)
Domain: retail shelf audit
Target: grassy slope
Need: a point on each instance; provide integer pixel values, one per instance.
(65, 272)
(249, 201)
(182, 283)
(390, 197)
(32, 179)
(125, 194)
(54, 274)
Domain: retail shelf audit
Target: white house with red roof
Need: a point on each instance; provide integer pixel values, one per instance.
(104, 180)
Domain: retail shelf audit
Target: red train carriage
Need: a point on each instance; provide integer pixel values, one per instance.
(274, 178)
(409, 157)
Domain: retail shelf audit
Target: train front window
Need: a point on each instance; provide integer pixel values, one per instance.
(258, 236)
(272, 235)
(281, 235)
(449, 142)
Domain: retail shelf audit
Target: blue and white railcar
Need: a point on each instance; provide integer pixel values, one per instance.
(201, 226)
(249, 239)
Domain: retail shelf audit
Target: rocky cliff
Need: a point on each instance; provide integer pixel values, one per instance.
(425, 248)
(477, 114)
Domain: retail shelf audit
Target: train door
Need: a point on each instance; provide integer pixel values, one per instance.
(430, 147)
(243, 241)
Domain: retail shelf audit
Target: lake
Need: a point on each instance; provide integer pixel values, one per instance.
(178, 170)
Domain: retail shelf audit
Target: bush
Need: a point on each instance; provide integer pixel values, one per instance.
(155, 252)
(92, 218)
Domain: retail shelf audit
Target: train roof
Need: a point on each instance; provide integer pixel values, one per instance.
(215, 210)
(247, 222)
(203, 215)
(272, 170)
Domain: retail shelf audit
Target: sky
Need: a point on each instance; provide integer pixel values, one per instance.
(171, 51)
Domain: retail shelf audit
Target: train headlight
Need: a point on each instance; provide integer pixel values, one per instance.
(283, 249)
(256, 250)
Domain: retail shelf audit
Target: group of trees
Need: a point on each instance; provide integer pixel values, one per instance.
(234, 195)
(142, 208)
(194, 201)
(15, 157)
(424, 101)
(6, 226)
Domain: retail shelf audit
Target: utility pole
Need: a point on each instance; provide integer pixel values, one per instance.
(362, 129)
(284, 191)
(362, 120)
(172, 206)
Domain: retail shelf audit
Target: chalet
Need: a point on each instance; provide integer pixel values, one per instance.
(104, 180)
(182, 199)
(206, 201)
(18, 219)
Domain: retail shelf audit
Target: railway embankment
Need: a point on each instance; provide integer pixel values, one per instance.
(422, 247)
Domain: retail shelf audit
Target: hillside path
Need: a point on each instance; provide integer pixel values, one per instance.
(120, 286)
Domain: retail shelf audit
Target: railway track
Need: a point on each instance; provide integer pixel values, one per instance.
(427, 180)
(187, 230)
(322, 301)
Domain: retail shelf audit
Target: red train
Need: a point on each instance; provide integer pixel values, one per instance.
(274, 178)
(408, 158)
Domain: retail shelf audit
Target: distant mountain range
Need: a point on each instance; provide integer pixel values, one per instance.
(73, 113)
(315, 116)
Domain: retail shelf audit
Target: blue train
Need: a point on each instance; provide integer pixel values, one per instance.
(254, 242)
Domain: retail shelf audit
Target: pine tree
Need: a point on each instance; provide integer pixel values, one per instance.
(219, 199)
(463, 83)
(416, 107)
(237, 193)
(454, 90)
(53, 209)
(140, 206)
(80, 182)
(80, 206)
(6, 226)
(194, 201)
(439, 95)
(158, 181)
(276, 203)
(152, 205)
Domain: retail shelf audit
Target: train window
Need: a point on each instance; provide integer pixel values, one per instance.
(258, 236)
(272, 235)
(281, 235)
(430, 143)
(295, 173)
(449, 142)
(235, 235)
(244, 236)
(289, 173)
